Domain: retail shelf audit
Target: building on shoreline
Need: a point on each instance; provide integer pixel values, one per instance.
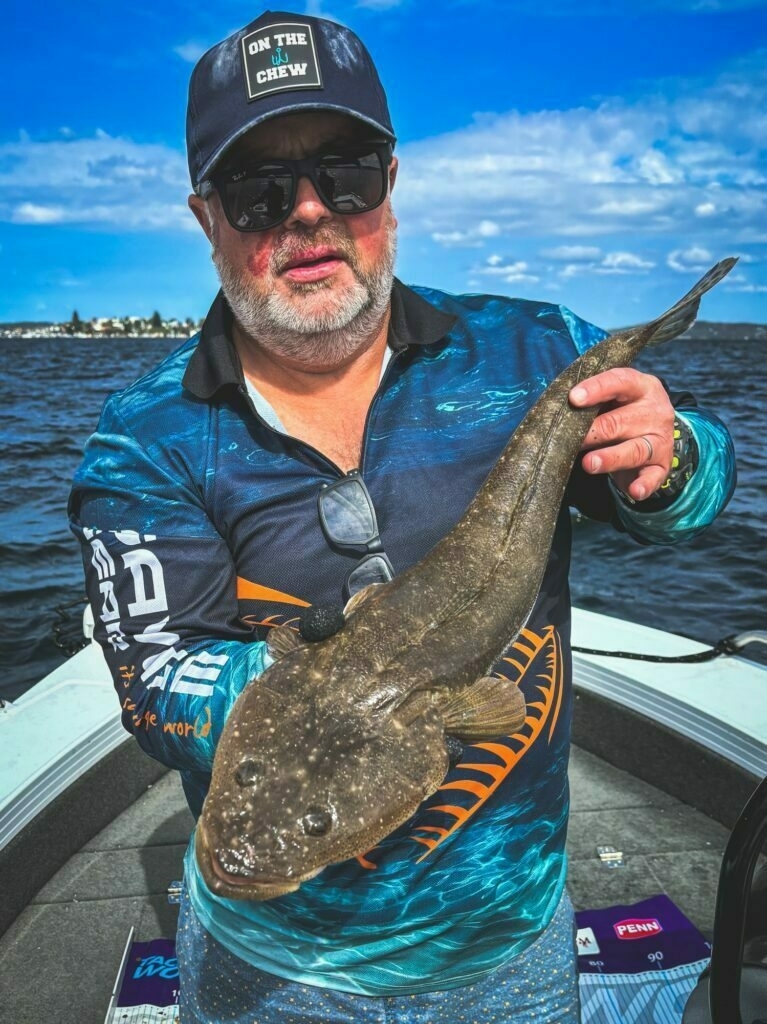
(154, 326)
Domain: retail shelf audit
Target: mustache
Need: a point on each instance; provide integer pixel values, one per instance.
(292, 244)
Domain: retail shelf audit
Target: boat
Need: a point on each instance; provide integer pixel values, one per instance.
(666, 755)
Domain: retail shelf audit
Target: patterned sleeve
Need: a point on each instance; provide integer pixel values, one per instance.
(162, 585)
(704, 495)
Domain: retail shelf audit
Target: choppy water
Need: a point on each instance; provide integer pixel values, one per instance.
(52, 391)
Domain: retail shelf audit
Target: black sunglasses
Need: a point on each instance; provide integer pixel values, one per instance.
(348, 520)
(348, 178)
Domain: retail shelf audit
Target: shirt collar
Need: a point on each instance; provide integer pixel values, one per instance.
(215, 363)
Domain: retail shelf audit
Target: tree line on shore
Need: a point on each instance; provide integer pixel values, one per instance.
(129, 325)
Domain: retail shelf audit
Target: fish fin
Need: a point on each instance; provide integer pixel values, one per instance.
(359, 598)
(682, 314)
(489, 707)
(281, 640)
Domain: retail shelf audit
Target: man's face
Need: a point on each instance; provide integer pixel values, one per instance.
(314, 287)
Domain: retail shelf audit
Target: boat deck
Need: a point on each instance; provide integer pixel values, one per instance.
(59, 959)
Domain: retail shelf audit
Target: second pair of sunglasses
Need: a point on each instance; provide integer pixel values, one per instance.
(348, 520)
(349, 178)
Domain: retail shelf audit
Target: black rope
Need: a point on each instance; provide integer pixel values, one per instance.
(724, 646)
(68, 637)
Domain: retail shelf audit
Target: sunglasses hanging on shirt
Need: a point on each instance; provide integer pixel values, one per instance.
(348, 520)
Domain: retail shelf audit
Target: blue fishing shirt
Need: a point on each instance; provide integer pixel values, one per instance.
(200, 531)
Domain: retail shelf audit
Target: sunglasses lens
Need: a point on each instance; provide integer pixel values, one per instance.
(256, 200)
(260, 197)
(373, 569)
(347, 515)
(351, 184)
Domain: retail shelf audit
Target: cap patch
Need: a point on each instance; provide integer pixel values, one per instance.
(280, 57)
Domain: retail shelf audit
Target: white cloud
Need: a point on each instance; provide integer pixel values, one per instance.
(101, 181)
(656, 168)
(190, 51)
(611, 263)
(129, 216)
(609, 189)
(572, 252)
(695, 259)
(488, 229)
(509, 273)
(624, 263)
(462, 238)
(471, 238)
(673, 180)
(633, 206)
(32, 213)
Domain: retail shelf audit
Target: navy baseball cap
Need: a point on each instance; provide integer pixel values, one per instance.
(278, 64)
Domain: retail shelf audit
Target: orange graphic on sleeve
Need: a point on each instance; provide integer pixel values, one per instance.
(509, 750)
(247, 591)
(127, 672)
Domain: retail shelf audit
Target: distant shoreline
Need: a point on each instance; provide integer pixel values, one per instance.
(33, 332)
(700, 330)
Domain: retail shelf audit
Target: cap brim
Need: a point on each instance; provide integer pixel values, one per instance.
(297, 107)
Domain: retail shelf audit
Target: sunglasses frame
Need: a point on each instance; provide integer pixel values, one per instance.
(371, 550)
(307, 167)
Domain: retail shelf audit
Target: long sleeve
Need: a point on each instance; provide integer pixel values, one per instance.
(162, 585)
(704, 495)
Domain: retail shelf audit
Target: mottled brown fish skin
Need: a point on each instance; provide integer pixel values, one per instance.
(340, 741)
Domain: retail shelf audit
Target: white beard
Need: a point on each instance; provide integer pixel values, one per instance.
(323, 336)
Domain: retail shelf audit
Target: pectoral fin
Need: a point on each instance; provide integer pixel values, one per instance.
(281, 640)
(358, 599)
(490, 707)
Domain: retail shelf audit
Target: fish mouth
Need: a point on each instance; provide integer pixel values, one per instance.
(242, 885)
(248, 886)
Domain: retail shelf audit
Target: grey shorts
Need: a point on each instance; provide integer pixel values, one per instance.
(538, 987)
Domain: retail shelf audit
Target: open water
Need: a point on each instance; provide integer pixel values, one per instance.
(51, 392)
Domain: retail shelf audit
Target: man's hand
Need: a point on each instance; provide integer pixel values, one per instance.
(632, 437)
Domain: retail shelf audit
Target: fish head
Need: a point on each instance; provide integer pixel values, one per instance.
(299, 786)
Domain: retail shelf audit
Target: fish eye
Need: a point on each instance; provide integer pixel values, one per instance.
(317, 821)
(249, 772)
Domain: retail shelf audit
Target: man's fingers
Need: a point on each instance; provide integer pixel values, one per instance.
(634, 465)
(638, 484)
(635, 453)
(621, 384)
(631, 437)
(617, 424)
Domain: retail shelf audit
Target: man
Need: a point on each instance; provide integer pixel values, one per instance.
(197, 506)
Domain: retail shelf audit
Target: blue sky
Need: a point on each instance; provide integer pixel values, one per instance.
(600, 154)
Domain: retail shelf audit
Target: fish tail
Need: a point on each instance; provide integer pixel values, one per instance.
(682, 314)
